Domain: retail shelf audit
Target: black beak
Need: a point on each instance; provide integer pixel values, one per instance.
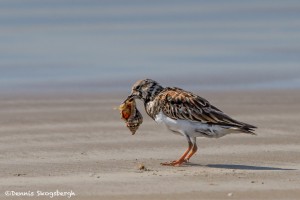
(129, 98)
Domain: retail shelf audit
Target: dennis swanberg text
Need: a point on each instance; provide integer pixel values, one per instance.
(40, 193)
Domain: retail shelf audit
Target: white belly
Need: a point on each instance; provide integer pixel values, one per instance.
(191, 128)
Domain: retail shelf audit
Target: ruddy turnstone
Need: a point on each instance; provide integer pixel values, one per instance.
(185, 113)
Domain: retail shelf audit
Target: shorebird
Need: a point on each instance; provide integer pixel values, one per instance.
(186, 114)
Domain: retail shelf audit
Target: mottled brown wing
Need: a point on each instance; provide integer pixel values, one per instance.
(180, 104)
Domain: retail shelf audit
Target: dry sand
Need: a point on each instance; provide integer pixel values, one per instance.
(79, 143)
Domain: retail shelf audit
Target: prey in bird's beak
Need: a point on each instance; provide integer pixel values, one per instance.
(130, 114)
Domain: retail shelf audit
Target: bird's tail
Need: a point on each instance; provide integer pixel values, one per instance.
(244, 128)
(232, 124)
(247, 128)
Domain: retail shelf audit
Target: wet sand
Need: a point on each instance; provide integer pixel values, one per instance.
(78, 142)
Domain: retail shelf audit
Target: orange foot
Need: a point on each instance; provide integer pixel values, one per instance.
(173, 163)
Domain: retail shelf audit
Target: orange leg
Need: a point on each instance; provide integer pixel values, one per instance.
(181, 159)
(194, 150)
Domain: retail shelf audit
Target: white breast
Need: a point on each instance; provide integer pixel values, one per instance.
(190, 127)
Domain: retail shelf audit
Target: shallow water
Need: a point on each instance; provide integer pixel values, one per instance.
(108, 45)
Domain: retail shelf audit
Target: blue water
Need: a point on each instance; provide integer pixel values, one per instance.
(107, 45)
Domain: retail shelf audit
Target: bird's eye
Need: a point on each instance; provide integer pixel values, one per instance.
(138, 87)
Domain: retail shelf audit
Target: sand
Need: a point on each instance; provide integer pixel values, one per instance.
(78, 143)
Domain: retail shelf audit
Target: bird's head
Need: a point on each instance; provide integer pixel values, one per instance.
(145, 89)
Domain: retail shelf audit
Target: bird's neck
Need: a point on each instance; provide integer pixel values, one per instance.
(151, 105)
(152, 93)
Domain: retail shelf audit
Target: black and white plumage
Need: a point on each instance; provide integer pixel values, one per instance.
(185, 113)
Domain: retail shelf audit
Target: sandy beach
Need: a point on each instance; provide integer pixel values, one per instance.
(67, 65)
(78, 143)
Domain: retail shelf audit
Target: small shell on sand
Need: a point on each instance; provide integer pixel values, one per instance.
(142, 167)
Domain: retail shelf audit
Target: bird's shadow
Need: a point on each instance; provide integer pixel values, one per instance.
(241, 167)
